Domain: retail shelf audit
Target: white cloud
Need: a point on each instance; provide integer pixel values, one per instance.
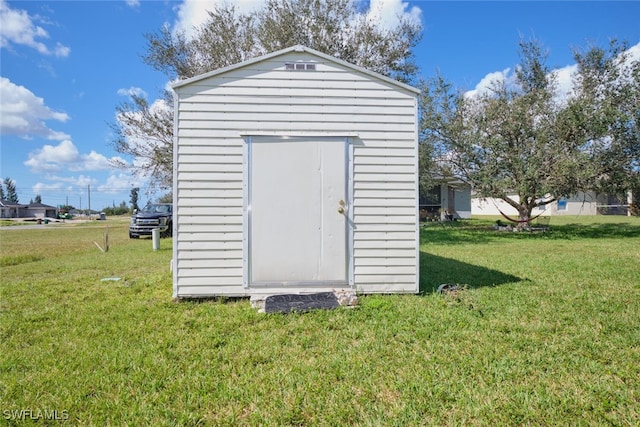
(122, 182)
(132, 91)
(19, 28)
(564, 77)
(389, 12)
(44, 188)
(65, 156)
(132, 3)
(22, 113)
(79, 181)
(193, 13)
(488, 82)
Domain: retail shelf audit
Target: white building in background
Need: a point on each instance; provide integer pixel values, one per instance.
(295, 172)
(581, 204)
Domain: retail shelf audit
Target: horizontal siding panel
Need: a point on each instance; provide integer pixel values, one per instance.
(387, 288)
(189, 291)
(209, 219)
(396, 149)
(214, 200)
(210, 176)
(210, 272)
(384, 244)
(185, 195)
(384, 253)
(211, 263)
(377, 219)
(360, 201)
(282, 123)
(386, 235)
(403, 169)
(231, 245)
(277, 70)
(363, 228)
(385, 210)
(205, 150)
(212, 159)
(385, 278)
(228, 254)
(205, 137)
(309, 106)
(383, 185)
(207, 185)
(217, 167)
(321, 92)
(384, 262)
(293, 115)
(211, 281)
(200, 103)
(370, 270)
(302, 82)
(386, 161)
(208, 237)
(385, 177)
(210, 228)
(390, 196)
(213, 211)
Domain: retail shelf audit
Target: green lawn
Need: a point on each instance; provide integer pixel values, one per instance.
(546, 333)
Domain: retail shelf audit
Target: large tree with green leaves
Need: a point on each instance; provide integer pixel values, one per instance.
(12, 192)
(336, 27)
(525, 142)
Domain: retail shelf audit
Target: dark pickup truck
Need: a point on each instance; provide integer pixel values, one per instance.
(153, 215)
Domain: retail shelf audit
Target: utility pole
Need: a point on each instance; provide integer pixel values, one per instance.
(89, 197)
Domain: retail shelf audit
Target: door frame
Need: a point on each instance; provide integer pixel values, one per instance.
(248, 140)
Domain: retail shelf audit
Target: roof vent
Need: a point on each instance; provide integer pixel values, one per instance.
(300, 66)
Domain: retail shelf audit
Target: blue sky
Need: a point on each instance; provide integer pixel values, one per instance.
(66, 65)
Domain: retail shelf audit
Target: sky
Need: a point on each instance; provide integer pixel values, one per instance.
(66, 65)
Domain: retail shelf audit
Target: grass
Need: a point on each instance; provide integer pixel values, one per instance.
(547, 332)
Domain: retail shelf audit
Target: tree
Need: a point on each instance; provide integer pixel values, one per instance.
(38, 199)
(609, 83)
(1, 192)
(523, 137)
(336, 27)
(166, 198)
(12, 194)
(134, 198)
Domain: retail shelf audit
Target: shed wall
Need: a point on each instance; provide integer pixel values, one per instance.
(265, 99)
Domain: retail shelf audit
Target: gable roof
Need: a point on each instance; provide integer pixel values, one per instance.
(39, 205)
(300, 49)
(7, 204)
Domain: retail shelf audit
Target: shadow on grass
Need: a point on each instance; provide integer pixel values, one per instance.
(596, 231)
(436, 270)
(481, 231)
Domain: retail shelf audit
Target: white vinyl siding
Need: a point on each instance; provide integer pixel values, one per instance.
(263, 98)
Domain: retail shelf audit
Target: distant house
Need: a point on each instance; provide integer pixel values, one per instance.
(32, 210)
(10, 209)
(39, 210)
(580, 204)
(451, 198)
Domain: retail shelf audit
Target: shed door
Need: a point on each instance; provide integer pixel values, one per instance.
(297, 211)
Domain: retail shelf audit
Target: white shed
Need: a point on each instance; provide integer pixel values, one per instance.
(295, 172)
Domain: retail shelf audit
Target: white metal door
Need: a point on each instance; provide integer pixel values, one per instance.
(297, 211)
